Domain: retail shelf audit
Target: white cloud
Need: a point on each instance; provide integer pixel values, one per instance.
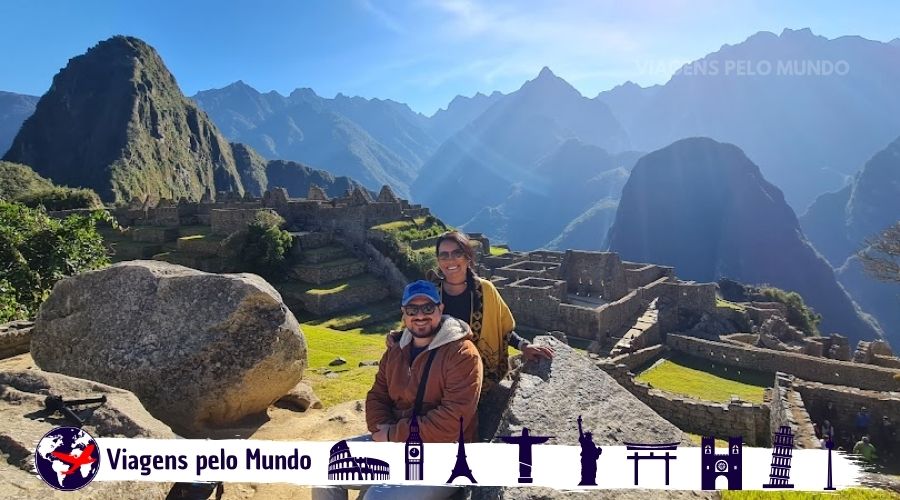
(383, 17)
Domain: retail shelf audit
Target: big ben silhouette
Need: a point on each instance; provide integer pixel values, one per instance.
(414, 451)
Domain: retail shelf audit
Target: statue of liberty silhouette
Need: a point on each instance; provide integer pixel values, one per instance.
(590, 452)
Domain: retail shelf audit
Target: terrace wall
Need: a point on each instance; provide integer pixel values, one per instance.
(828, 371)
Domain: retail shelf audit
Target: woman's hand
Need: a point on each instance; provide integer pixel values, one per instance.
(533, 352)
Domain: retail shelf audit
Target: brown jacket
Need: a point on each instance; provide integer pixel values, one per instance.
(452, 390)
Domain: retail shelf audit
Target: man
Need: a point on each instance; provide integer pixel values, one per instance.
(450, 387)
(434, 369)
(865, 448)
(862, 421)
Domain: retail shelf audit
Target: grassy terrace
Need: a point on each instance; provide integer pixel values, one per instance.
(418, 229)
(703, 380)
(379, 314)
(728, 304)
(339, 286)
(498, 250)
(352, 381)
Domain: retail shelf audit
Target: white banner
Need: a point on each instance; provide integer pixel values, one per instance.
(491, 464)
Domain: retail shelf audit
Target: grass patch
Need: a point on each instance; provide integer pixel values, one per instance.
(697, 439)
(352, 381)
(498, 250)
(850, 494)
(194, 231)
(420, 228)
(386, 312)
(399, 225)
(337, 287)
(705, 380)
(729, 305)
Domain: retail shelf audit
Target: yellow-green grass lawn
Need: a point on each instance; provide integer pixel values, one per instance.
(498, 250)
(352, 381)
(705, 380)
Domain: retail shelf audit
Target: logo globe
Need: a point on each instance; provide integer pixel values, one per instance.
(67, 458)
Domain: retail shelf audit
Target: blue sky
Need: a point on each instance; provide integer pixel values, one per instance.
(421, 52)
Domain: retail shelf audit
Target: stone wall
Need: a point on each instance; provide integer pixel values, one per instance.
(601, 272)
(736, 418)
(845, 403)
(636, 359)
(153, 234)
(165, 216)
(536, 302)
(638, 275)
(806, 367)
(327, 303)
(577, 321)
(787, 408)
(614, 316)
(329, 271)
(376, 263)
(497, 261)
(529, 269)
(225, 221)
(15, 338)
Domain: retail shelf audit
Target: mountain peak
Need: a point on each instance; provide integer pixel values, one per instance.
(546, 73)
(547, 81)
(121, 91)
(801, 33)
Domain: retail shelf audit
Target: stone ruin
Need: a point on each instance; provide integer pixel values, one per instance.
(354, 212)
(631, 314)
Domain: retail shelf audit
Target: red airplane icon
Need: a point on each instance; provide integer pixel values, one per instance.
(76, 462)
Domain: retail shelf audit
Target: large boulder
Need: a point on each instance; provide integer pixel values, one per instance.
(23, 421)
(199, 350)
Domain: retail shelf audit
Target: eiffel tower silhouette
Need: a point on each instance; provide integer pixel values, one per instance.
(461, 469)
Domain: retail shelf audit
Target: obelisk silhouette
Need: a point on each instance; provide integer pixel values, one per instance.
(461, 469)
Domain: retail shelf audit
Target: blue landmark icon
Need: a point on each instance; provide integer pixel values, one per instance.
(652, 449)
(525, 441)
(67, 458)
(344, 466)
(415, 452)
(461, 469)
(713, 465)
(782, 449)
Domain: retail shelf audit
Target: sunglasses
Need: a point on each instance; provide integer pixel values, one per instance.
(424, 308)
(455, 255)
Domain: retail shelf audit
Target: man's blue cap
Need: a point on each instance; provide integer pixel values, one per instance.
(421, 288)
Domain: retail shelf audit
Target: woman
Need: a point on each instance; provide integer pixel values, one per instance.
(476, 301)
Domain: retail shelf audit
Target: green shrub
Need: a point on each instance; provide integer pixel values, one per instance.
(261, 247)
(37, 251)
(799, 315)
(60, 198)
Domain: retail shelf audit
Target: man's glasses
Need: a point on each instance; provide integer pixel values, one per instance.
(455, 255)
(424, 308)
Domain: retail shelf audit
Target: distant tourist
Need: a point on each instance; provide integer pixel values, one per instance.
(827, 430)
(862, 421)
(865, 448)
(434, 370)
(476, 301)
(829, 413)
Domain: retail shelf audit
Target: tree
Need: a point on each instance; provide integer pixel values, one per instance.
(36, 251)
(881, 257)
(262, 247)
